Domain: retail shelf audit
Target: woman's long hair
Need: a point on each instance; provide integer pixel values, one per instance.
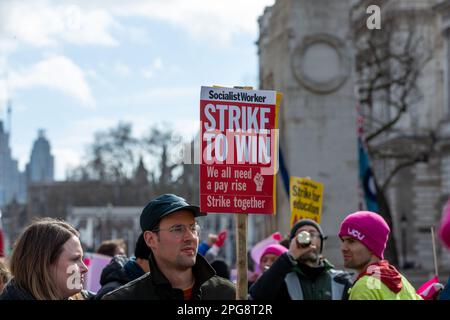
(34, 254)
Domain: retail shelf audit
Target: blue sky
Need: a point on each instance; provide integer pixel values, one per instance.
(77, 67)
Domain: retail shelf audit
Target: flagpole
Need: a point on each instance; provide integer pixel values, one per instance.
(434, 252)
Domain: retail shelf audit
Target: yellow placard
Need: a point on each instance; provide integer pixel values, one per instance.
(306, 198)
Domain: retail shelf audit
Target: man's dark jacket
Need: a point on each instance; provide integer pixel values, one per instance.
(155, 286)
(287, 281)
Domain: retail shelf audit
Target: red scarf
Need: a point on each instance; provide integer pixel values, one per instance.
(386, 273)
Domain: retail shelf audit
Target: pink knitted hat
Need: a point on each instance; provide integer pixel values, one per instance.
(276, 249)
(369, 228)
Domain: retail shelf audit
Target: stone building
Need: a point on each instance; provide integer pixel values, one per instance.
(14, 218)
(309, 51)
(97, 224)
(418, 191)
(305, 52)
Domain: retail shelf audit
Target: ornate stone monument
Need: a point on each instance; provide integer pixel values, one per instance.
(305, 53)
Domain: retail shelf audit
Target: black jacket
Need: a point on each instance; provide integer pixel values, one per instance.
(155, 286)
(284, 281)
(118, 272)
(13, 292)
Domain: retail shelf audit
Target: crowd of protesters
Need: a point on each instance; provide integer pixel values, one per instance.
(170, 262)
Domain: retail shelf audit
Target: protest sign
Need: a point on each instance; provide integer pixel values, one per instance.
(239, 150)
(95, 263)
(239, 153)
(306, 199)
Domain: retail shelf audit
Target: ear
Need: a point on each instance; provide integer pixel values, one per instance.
(150, 239)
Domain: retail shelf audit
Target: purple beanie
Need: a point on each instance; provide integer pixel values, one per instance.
(369, 228)
(276, 249)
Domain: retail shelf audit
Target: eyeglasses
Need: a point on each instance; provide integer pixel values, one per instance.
(179, 230)
(315, 234)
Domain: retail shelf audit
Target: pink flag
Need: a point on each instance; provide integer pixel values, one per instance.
(430, 289)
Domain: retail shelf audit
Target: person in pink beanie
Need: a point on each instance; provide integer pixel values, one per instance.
(269, 255)
(364, 236)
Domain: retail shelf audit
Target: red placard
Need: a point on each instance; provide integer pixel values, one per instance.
(239, 150)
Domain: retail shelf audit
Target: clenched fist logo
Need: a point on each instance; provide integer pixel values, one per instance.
(259, 181)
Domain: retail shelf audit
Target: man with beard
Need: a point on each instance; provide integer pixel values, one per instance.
(302, 273)
(177, 272)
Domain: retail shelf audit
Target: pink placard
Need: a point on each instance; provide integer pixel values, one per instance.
(96, 263)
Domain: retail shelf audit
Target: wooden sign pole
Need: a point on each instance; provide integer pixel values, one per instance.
(436, 271)
(241, 256)
(241, 250)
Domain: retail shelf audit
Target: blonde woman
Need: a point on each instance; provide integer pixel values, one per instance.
(46, 263)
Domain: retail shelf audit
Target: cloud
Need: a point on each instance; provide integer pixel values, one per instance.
(92, 27)
(7, 46)
(157, 64)
(151, 71)
(4, 94)
(42, 23)
(136, 35)
(56, 72)
(121, 69)
(65, 158)
(76, 136)
(218, 20)
(69, 148)
(82, 131)
(175, 96)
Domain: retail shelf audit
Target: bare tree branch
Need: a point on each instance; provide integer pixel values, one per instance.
(423, 157)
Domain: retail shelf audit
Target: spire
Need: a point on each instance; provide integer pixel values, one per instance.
(40, 168)
(141, 174)
(9, 111)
